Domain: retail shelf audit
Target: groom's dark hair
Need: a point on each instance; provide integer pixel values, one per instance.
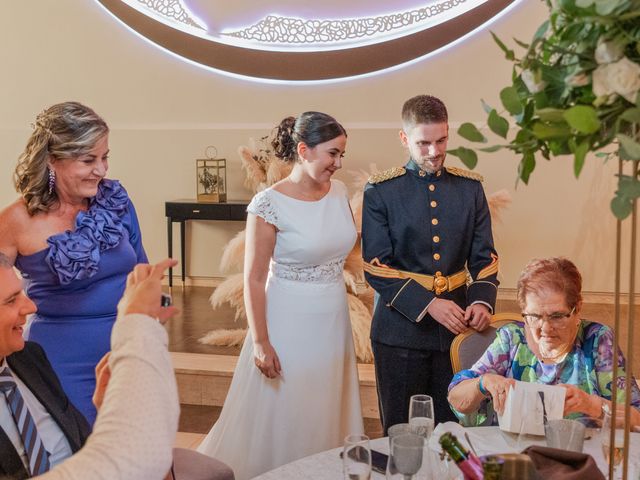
(423, 109)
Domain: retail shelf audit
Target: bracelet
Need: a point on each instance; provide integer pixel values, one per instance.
(483, 390)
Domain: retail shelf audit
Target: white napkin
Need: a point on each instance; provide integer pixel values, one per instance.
(523, 412)
(486, 440)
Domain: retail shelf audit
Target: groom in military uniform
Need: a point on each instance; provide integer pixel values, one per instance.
(428, 253)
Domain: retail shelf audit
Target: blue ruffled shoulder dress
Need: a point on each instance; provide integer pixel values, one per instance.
(76, 283)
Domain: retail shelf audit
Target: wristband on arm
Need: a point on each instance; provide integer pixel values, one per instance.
(483, 390)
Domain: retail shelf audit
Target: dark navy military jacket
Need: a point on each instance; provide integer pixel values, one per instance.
(424, 223)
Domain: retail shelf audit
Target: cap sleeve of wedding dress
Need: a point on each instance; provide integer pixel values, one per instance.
(262, 205)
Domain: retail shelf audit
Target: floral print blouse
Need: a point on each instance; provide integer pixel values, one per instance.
(589, 366)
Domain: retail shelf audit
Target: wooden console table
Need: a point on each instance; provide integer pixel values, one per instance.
(183, 210)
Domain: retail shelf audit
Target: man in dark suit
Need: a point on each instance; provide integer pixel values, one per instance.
(24, 367)
(429, 254)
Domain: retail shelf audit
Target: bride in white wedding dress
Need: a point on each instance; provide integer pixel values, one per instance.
(295, 388)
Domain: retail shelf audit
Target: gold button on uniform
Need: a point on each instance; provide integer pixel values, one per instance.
(422, 173)
(436, 256)
(434, 204)
(436, 239)
(432, 188)
(434, 221)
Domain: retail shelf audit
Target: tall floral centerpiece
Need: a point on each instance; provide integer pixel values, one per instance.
(575, 89)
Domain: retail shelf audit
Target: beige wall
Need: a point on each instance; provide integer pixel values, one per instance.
(164, 112)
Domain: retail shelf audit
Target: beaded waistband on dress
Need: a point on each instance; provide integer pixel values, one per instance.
(325, 273)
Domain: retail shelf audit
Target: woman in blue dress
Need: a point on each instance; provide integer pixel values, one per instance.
(74, 236)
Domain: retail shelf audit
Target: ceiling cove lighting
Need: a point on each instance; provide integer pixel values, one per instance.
(284, 48)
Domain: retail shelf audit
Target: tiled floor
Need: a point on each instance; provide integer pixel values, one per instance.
(197, 318)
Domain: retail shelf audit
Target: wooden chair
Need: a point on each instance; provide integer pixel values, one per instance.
(469, 346)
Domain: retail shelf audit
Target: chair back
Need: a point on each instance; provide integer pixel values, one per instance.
(468, 347)
(191, 465)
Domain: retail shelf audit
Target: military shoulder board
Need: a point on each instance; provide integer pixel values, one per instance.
(380, 177)
(459, 172)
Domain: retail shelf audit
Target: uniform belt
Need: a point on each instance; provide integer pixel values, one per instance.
(437, 283)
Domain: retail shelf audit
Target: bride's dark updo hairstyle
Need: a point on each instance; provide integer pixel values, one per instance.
(310, 128)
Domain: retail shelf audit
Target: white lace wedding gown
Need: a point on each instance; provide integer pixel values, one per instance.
(265, 422)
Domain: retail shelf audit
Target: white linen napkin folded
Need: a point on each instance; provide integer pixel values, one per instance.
(523, 412)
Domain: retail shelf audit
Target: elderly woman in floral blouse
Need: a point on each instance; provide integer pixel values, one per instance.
(552, 346)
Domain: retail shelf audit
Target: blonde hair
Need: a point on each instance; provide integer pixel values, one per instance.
(64, 130)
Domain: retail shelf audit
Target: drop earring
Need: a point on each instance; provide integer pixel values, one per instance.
(52, 180)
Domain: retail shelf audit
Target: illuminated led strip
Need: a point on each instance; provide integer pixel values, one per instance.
(273, 65)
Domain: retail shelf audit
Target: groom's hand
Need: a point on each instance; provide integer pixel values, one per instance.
(449, 314)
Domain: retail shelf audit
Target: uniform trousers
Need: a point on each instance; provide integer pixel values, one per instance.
(403, 372)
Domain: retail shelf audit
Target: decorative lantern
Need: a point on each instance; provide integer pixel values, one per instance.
(211, 177)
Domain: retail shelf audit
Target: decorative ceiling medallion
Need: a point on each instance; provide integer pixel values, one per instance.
(351, 39)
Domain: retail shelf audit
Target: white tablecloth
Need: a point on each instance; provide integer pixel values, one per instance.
(487, 440)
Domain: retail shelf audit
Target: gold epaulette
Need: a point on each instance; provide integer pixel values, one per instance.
(380, 177)
(459, 172)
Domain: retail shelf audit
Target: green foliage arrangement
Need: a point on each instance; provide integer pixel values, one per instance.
(575, 90)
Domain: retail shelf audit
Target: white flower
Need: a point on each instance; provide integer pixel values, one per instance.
(578, 80)
(621, 77)
(607, 51)
(533, 81)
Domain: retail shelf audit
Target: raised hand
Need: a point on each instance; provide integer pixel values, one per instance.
(143, 291)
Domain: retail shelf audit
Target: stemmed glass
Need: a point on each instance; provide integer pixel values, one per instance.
(605, 438)
(421, 418)
(406, 459)
(356, 458)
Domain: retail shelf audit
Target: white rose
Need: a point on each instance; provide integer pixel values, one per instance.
(607, 52)
(621, 77)
(578, 80)
(532, 81)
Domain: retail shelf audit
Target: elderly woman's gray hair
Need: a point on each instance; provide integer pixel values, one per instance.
(64, 130)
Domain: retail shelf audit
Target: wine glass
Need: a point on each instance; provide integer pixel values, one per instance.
(618, 437)
(356, 458)
(406, 459)
(421, 418)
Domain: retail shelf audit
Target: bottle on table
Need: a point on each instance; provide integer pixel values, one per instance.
(469, 464)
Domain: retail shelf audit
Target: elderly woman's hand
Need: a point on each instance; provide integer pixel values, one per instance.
(498, 387)
(579, 401)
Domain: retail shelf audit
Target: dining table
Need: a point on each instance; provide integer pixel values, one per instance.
(327, 465)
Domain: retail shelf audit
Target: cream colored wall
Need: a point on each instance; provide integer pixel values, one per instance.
(164, 112)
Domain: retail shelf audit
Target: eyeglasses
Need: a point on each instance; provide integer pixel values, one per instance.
(557, 320)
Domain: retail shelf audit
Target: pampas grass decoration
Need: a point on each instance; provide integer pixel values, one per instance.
(230, 291)
(256, 173)
(360, 325)
(233, 254)
(225, 337)
(498, 201)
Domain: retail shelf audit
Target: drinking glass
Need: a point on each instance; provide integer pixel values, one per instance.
(565, 434)
(605, 438)
(421, 418)
(356, 458)
(397, 429)
(405, 461)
